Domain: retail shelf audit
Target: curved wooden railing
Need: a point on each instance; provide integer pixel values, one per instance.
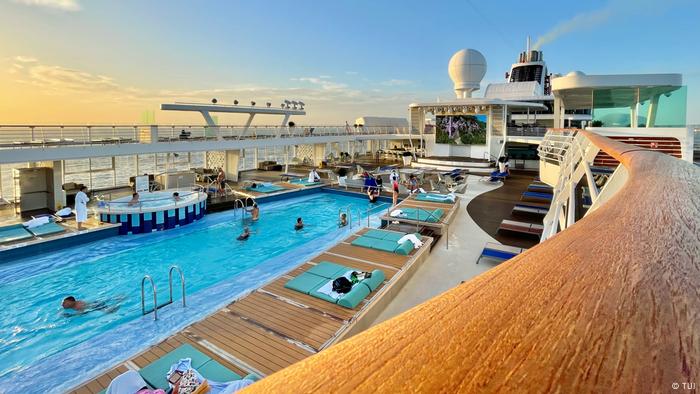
(611, 304)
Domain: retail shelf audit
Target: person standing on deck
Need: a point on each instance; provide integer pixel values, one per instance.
(81, 200)
(313, 176)
(221, 180)
(395, 192)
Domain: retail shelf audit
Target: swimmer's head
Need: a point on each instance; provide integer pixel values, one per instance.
(68, 302)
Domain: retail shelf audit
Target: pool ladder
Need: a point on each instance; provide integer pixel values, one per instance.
(348, 212)
(155, 296)
(243, 205)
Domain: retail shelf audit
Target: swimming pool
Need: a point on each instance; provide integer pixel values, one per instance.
(33, 330)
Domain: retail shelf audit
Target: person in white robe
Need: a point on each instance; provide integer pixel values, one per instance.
(81, 200)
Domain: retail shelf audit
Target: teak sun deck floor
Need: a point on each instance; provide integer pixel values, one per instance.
(273, 327)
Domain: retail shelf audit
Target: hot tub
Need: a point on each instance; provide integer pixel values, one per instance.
(155, 211)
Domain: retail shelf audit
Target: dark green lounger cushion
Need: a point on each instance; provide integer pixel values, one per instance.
(328, 270)
(392, 236)
(47, 229)
(15, 232)
(384, 245)
(306, 282)
(216, 372)
(154, 373)
(365, 242)
(433, 198)
(375, 280)
(404, 249)
(354, 297)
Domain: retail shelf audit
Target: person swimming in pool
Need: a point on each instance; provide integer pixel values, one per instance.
(244, 236)
(299, 224)
(73, 306)
(176, 196)
(255, 212)
(343, 220)
(134, 200)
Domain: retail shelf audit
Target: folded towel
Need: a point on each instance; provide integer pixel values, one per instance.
(414, 240)
(420, 189)
(396, 213)
(36, 222)
(64, 212)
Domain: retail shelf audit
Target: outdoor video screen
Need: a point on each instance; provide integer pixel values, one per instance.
(460, 129)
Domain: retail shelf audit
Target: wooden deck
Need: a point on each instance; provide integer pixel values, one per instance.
(274, 327)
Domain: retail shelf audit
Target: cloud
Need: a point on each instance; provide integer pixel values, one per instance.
(396, 82)
(63, 5)
(25, 59)
(323, 81)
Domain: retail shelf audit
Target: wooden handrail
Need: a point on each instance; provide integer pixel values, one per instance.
(611, 304)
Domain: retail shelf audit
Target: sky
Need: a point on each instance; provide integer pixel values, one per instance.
(108, 62)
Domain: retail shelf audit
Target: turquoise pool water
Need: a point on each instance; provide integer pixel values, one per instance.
(154, 200)
(33, 326)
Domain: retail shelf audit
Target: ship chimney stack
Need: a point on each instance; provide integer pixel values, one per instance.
(528, 45)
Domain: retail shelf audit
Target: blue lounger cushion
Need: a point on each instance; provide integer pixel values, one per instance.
(423, 215)
(434, 198)
(306, 282)
(375, 280)
(375, 233)
(358, 293)
(328, 270)
(216, 372)
(498, 254)
(154, 373)
(384, 245)
(47, 229)
(15, 232)
(391, 236)
(405, 248)
(546, 196)
(365, 242)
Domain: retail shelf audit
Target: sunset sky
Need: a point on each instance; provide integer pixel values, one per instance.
(95, 61)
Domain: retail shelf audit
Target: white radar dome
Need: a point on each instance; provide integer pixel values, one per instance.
(467, 68)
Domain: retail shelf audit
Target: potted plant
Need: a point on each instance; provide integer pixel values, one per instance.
(407, 158)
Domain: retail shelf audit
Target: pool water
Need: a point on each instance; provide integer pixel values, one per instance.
(33, 325)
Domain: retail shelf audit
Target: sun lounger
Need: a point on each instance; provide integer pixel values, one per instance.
(436, 197)
(384, 245)
(420, 214)
(526, 209)
(15, 232)
(535, 196)
(539, 188)
(304, 182)
(46, 229)
(155, 373)
(498, 252)
(355, 183)
(521, 227)
(310, 281)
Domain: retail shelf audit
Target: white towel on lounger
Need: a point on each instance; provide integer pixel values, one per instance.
(417, 243)
(396, 213)
(327, 289)
(36, 222)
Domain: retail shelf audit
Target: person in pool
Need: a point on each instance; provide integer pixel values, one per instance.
(255, 212)
(244, 236)
(373, 194)
(134, 200)
(343, 220)
(73, 306)
(299, 224)
(176, 196)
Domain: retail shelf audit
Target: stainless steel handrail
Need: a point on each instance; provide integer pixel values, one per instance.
(143, 297)
(182, 283)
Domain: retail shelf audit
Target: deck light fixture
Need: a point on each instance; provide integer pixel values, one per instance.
(235, 102)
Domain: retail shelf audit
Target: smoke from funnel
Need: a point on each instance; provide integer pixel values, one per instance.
(578, 22)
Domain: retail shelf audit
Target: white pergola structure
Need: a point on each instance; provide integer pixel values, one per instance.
(207, 109)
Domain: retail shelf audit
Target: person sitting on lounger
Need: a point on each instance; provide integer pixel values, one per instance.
(73, 307)
(134, 200)
(313, 176)
(412, 183)
(343, 220)
(299, 224)
(244, 236)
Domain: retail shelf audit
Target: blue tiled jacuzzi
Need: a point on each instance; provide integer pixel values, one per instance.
(155, 211)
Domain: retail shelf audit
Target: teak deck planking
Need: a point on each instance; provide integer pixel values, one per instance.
(272, 327)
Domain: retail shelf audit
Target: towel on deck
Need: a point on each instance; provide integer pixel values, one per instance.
(417, 243)
(36, 222)
(64, 212)
(396, 213)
